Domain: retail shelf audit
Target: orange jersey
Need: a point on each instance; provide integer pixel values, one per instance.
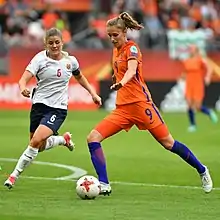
(194, 68)
(135, 90)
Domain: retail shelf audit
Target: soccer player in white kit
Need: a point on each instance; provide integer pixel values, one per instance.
(53, 69)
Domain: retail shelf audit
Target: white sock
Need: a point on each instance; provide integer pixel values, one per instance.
(26, 158)
(54, 141)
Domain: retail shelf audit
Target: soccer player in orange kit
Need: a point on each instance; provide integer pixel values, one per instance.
(194, 67)
(134, 106)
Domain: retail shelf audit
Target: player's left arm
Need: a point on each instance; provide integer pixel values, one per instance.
(209, 71)
(85, 84)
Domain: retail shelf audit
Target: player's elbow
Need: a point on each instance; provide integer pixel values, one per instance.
(78, 77)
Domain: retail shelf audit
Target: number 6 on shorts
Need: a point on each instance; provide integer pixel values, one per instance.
(53, 118)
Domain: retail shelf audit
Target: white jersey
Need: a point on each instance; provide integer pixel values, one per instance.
(53, 78)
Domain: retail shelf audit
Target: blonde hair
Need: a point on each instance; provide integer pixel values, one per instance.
(51, 33)
(125, 21)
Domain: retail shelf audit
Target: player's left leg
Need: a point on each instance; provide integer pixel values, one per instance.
(48, 125)
(58, 140)
(162, 135)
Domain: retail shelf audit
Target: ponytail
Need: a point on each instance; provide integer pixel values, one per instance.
(125, 21)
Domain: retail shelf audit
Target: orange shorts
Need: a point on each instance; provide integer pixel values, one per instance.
(194, 92)
(144, 115)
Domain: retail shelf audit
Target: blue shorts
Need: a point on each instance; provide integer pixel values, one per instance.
(53, 118)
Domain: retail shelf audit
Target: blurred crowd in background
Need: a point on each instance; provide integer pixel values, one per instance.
(23, 24)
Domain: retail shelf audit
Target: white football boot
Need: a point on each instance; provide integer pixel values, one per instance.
(207, 183)
(105, 189)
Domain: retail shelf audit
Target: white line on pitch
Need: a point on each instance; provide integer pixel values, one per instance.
(128, 183)
(159, 185)
(79, 172)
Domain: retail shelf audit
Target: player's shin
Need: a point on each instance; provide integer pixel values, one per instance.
(191, 115)
(26, 158)
(185, 153)
(98, 160)
(205, 110)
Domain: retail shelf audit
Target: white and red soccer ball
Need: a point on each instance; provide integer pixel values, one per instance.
(88, 187)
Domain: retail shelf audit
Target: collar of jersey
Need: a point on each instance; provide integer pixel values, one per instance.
(63, 52)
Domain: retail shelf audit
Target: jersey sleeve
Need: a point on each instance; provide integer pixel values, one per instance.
(132, 52)
(34, 65)
(75, 66)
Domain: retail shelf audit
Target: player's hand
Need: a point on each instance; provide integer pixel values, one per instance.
(207, 81)
(26, 93)
(116, 86)
(97, 99)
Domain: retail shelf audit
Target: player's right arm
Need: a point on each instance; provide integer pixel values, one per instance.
(30, 71)
(130, 73)
(25, 78)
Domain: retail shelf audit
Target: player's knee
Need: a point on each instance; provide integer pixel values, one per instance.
(94, 136)
(167, 142)
(198, 106)
(42, 146)
(36, 142)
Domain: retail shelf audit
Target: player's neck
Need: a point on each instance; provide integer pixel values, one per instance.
(119, 48)
(55, 57)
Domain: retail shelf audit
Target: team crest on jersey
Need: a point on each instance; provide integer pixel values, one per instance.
(134, 51)
(68, 66)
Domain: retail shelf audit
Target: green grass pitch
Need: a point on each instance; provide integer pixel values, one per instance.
(132, 158)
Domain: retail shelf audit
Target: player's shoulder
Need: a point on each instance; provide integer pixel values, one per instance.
(69, 57)
(133, 49)
(132, 46)
(40, 55)
(73, 61)
(73, 58)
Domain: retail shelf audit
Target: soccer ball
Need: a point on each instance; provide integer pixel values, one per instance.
(88, 187)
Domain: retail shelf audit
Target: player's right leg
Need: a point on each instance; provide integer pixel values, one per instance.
(111, 125)
(162, 135)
